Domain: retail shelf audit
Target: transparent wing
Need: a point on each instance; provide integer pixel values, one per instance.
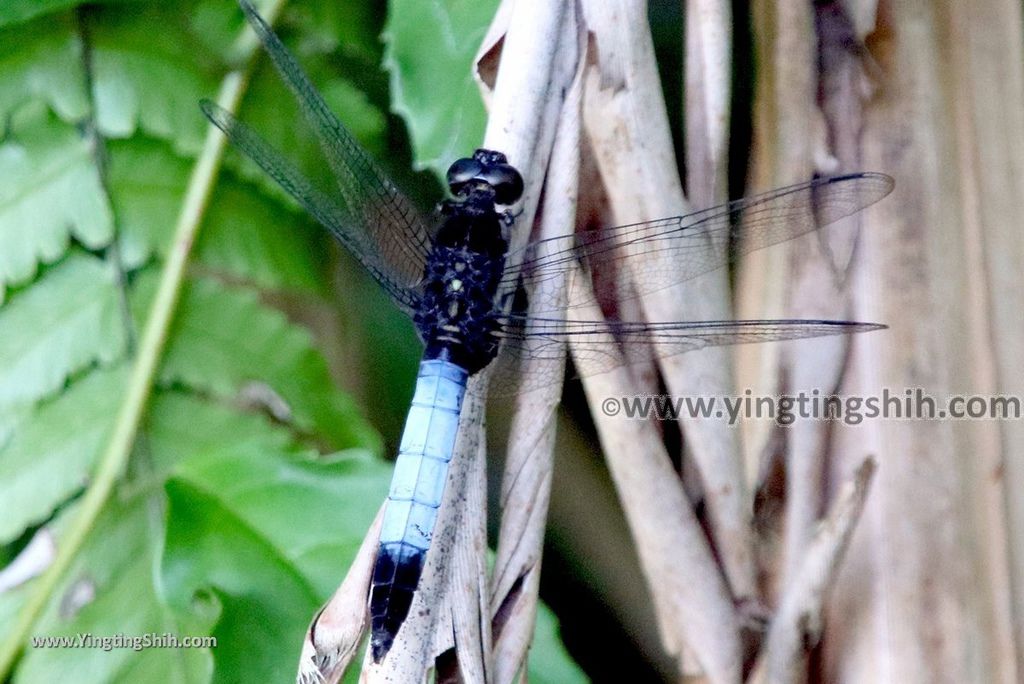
(600, 346)
(370, 215)
(321, 207)
(700, 242)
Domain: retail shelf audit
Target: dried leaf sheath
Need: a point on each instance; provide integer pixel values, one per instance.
(526, 483)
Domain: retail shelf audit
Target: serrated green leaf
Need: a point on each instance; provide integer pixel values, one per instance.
(149, 73)
(429, 54)
(245, 235)
(63, 323)
(52, 451)
(110, 591)
(270, 536)
(51, 191)
(225, 341)
(147, 185)
(42, 60)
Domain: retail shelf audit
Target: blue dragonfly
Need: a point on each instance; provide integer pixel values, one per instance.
(454, 275)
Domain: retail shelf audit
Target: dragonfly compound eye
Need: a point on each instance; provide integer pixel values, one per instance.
(506, 181)
(461, 172)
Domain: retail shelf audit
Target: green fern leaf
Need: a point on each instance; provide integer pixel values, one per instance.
(226, 341)
(52, 451)
(246, 235)
(51, 193)
(68, 320)
(149, 71)
(42, 60)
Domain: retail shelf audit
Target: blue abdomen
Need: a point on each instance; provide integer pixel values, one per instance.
(417, 487)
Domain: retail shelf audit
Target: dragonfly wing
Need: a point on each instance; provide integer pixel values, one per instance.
(702, 241)
(321, 207)
(600, 346)
(370, 215)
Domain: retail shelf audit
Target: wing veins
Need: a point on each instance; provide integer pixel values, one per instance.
(767, 219)
(319, 205)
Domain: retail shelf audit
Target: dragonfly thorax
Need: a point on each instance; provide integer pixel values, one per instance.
(456, 313)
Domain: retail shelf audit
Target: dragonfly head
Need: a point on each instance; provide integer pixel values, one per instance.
(486, 170)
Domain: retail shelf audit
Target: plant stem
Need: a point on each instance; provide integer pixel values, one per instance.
(150, 351)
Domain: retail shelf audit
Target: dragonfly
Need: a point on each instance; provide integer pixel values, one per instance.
(452, 274)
